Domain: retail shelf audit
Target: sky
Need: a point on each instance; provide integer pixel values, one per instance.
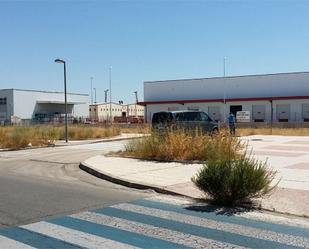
(147, 40)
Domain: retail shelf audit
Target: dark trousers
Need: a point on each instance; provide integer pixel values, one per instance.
(232, 129)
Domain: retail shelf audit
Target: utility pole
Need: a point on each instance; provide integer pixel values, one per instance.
(95, 95)
(110, 94)
(224, 90)
(105, 93)
(136, 97)
(136, 101)
(91, 78)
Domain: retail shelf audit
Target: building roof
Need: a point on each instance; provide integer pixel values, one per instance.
(228, 77)
(114, 103)
(59, 102)
(42, 91)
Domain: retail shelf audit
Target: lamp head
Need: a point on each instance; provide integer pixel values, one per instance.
(59, 61)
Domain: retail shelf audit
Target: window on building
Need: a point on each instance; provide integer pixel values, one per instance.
(2, 101)
(90, 109)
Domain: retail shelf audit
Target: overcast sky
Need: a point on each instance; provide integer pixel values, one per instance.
(147, 40)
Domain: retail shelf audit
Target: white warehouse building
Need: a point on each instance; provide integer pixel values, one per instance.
(19, 105)
(281, 97)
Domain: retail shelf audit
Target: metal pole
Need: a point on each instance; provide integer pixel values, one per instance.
(105, 97)
(110, 94)
(224, 91)
(95, 95)
(65, 103)
(271, 117)
(136, 101)
(91, 78)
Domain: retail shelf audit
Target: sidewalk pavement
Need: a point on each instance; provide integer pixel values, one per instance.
(288, 155)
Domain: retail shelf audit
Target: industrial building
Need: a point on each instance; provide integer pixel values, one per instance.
(119, 112)
(267, 98)
(20, 106)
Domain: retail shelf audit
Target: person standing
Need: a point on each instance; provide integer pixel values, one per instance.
(232, 122)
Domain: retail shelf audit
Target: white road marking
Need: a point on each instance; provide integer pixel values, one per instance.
(155, 232)
(222, 226)
(7, 243)
(76, 237)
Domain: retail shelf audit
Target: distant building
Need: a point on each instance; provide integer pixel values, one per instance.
(281, 97)
(20, 106)
(101, 112)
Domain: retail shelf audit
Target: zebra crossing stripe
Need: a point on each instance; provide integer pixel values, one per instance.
(12, 244)
(228, 227)
(201, 212)
(205, 232)
(34, 239)
(134, 239)
(82, 239)
(156, 232)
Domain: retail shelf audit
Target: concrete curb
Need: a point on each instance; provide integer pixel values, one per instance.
(137, 185)
(143, 186)
(64, 145)
(101, 141)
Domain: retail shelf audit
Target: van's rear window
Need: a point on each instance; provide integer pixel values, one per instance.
(163, 117)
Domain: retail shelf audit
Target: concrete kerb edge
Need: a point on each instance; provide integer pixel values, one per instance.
(63, 145)
(102, 141)
(137, 185)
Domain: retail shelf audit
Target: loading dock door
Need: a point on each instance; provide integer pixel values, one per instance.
(283, 112)
(214, 112)
(258, 113)
(306, 112)
(235, 108)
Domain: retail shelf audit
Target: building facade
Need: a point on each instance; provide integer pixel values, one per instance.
(101, 112)
(19, 105)
(282, 97)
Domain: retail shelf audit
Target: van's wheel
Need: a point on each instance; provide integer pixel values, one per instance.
(215, 131)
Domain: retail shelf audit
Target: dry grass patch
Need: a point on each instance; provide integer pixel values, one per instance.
(178, 145)
(16, 137)
(140, 129)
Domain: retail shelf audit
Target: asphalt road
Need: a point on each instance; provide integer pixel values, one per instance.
(38, 184)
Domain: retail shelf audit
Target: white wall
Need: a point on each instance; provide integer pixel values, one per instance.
(287, 84)
(295, 108)
(25, 102)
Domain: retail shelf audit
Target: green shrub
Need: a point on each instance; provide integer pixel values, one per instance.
(234, 181)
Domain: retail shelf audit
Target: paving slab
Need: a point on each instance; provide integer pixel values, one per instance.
(291, 195)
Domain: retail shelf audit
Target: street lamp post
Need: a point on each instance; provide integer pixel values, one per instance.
(65, 97)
